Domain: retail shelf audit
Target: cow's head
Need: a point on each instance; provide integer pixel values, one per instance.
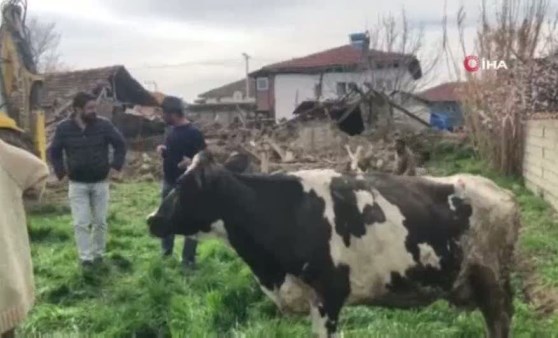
(191, 208)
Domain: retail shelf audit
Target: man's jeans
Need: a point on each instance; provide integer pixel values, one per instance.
(190, 245)
(89, 203)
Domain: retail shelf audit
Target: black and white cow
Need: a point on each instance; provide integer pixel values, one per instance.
(334, 239)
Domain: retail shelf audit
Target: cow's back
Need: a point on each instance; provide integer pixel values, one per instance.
(398, 236)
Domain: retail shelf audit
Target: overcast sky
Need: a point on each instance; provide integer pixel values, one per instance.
(188, 47)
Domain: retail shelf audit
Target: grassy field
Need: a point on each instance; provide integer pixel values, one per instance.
(137, 294)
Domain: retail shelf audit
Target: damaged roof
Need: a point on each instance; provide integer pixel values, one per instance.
(445, 92)
(150, 113)
(228, 90)
(63, 86)
(345, 57)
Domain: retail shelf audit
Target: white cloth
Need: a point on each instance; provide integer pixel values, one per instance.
(20, 172)
(89, 203)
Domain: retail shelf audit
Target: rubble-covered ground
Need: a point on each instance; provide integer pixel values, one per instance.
(305, 145)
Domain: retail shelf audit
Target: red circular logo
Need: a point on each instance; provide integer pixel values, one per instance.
(471, 63)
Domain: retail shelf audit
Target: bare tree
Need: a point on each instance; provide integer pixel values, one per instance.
(496, 103)
(45, 41)
(398, 35)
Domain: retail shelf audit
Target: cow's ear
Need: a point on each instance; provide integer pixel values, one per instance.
(206, 158)
(203, 167)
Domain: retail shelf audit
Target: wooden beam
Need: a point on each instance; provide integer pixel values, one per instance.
(408, 113)
(354, 157)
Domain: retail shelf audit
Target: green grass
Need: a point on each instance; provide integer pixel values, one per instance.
(137, 294)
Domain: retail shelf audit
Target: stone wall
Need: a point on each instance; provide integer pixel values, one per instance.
(540, 162)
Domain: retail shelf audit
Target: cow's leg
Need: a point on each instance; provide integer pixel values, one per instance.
(331, 292)
(273, 295)
(493, 299)
(324, 320)
(319, 320)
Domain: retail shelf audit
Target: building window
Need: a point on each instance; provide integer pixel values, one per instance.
(262, 84)
(341, 88)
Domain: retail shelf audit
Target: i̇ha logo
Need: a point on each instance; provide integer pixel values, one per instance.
(472, 63)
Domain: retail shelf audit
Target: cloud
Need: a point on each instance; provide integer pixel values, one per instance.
(239, 13)
(189, 46)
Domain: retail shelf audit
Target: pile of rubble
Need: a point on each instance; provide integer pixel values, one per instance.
(143, 166)
(313, 144)
(355, 133)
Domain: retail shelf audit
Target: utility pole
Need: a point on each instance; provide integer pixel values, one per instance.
(247, 63)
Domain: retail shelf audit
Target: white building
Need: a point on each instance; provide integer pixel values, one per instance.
(223, 104)
(281, 87)
(234, 92)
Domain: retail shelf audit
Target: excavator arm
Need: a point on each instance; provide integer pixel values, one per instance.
(22, 120)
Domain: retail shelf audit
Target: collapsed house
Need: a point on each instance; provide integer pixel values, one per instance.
(121, 98)
(356, 131)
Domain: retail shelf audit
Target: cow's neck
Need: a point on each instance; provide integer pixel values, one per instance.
(234, 201)
(238, 203)
(239, 196)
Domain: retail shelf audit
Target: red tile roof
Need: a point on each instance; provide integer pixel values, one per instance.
(63, 86)
(344, 56)
(445, 92)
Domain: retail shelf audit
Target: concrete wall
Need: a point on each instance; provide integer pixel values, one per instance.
(318, 136)
(293, 89)
(540, 163)
(417, 107)
(223, 117)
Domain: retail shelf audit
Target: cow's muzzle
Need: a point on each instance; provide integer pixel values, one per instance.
(157, 226)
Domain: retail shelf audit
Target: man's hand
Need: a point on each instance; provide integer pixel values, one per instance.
(115, 175)
(161, 149)
(54, 181)
(61, 176)
(184, 163)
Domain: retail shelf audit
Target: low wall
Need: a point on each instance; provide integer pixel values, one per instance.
(540, 162)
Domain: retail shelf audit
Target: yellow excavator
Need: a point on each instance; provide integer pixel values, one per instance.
(22, 122)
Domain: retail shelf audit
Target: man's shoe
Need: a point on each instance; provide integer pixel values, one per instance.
(189, 265)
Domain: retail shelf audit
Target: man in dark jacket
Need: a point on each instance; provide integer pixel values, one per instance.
(84, 140)
(182, 142)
